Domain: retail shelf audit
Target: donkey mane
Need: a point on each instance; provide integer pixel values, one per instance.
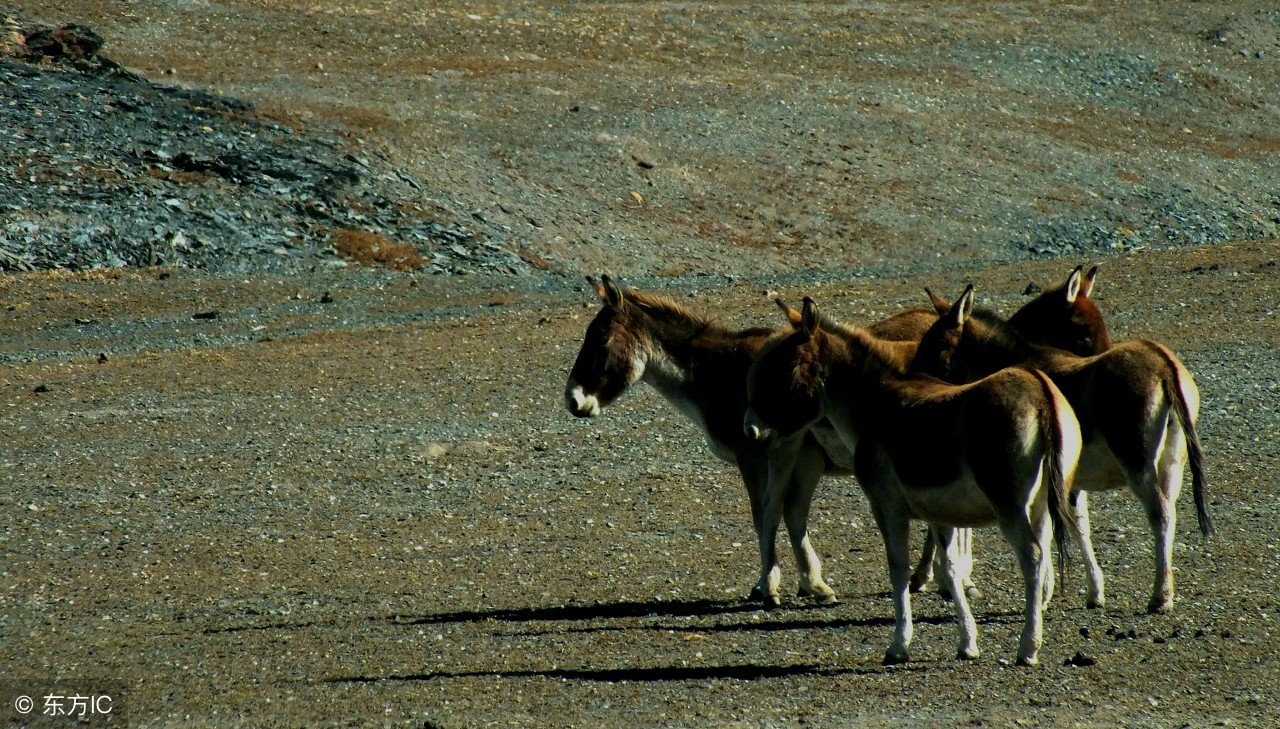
(670, 318)
(883, 356)
(652, 302)
(1000, 333)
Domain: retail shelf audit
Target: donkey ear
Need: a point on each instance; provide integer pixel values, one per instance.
(595, 285)
(964, 305)
(809, 317)
(1071, 289)
(940, 305)
(610, 293)
(1086, 286)
(959, 312)
(793, 317)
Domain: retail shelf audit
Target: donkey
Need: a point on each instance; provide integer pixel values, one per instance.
(701, 368)
(1064, 317)
(901, 327)
(1137, 405)
(1001, 450)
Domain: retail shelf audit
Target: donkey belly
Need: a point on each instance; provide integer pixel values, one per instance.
(1098, 469)
(959, 503)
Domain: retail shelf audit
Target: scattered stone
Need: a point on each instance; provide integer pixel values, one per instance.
(1129, 634)
(432, 451)
(40, 388)
(204, 315)
(283, 196)
(1080, 660)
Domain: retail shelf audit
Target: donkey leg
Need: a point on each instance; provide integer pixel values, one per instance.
(1047, 581)
(951, 549)
(1162, 516)
(964, 563)
(1078, 502)
(809, 466)
(1031, 543)
(782, 459)
(922, 575)
(896, 531)
(755, 475)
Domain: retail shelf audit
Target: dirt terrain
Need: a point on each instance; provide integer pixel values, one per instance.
(269, 486)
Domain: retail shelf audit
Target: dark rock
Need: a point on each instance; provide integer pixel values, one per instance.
(69, 41)
(1080, 660)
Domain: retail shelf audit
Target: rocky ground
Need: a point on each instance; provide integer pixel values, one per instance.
(292, 291)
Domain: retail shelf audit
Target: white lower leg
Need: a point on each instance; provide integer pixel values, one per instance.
(952, 569)
(810, 568)
(1083, 534)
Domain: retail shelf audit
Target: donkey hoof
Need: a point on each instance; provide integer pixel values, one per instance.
(972, 592)
(771, 602)
(893, 659)
(1160, 607)
(827, 597)
(968, 654)
(1096, 603)
(918, 584)
(1028, 661)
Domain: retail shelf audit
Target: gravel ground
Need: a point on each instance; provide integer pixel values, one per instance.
(247, 487)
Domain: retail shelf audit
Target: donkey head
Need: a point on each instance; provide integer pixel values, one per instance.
(612, 355)
(936, 355)
(787, 380)
(968, 343)
(1065, 317)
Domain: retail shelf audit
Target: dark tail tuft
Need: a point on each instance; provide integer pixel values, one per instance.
(1195, 456)
(1059, 515)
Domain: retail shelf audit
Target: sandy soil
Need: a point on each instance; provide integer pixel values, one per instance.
(355, 497)
(376, 510)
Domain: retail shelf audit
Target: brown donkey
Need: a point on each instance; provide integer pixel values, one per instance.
(701, 368)
(1137, 407)
(1065, 317)
(999, 451)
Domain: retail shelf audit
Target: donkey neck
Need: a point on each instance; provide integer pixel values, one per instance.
(675, 341)
(872, 360)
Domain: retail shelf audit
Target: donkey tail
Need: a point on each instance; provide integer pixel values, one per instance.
(1195, 456)
(1051, 431)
